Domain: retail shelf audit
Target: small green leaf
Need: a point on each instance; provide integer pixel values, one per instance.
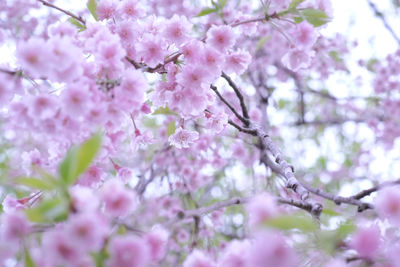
(36, 183)
(295, 3)
(87, 151)
(206, 11)
(297, 20)
(78, 159)
(67, 168)
(171, 128)
(79, 25)
(222, 3)
(335, 56)
(345, 229)
(262, 42)
(28, 259)
(287, 222)
(315, 17)
(92, 6)
(329, 212)
(50, 210)
(164, 111)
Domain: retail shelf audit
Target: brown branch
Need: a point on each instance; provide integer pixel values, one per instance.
(241, 129)
(384, 21)
(338, 199)
(160, 68)
(239, 95)
(285, 169)
(371, 190)
(215, 89)
(63, 11)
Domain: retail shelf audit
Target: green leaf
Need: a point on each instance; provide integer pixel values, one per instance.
(36, 183)
(50, 210)
(78, 159)
(329, 212)
(297, 20)
(171, 128)
(295, 3)
(315, 17)
(206, 11)
(164, 111)
(222, 3)
(79, 25)
(335, 56)
(92, 6)
(287, 222)
(28, 259)
(345, 229)
(262, 42)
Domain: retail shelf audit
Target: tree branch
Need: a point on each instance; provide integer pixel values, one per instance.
(239, 96)
(371, 190)
(215, 89)
(63, 11)
(384, 21)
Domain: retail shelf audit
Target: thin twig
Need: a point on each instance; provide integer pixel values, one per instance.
(239, 96)
(241, 129)
(384, 21)
(240, 117)
(63, 11)
(371, 190)
(338, 199)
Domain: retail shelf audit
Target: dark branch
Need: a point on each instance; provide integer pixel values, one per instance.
(239, 96)
(80, 19)
(384, 21)
(215, 89)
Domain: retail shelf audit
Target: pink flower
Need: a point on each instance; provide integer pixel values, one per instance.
(260, 208)
(33, 56)
(366, 241)
(126, 31)
(304, 35)
(60, 249)
(157, 242)
(128, 251)
(193, 77)
(193, 52)
(176, 29)
(151, 50)
(125, 174)
(76, 99)
(182, 138)
(92, 176)
(271, 249)
(388, 204)
(6, 90)
(10, 204)
(237, 62)
(130, 95)
(83, 199)
(216, 122)
(130, 9)
(297, 59)
(15, 226)
(198, 259)
(106, 9)
(43, 106)
(221, 37)
(236, 254)
(119, 201)
(87, 230)
(111, 52)
(213, 60)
